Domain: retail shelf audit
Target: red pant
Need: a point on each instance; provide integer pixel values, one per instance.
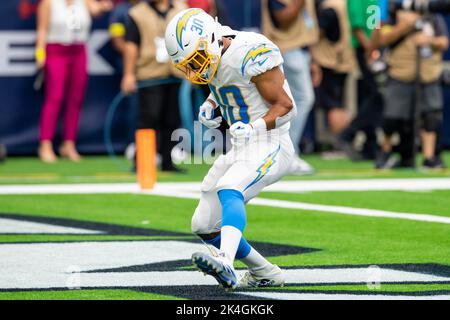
(65, 84)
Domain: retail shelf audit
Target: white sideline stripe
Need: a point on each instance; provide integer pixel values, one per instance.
(330, 296)
(322, 208)
(283, 186)
(349, 210)
(361, 185)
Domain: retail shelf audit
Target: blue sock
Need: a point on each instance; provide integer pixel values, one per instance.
(242, 251)
(233, 209)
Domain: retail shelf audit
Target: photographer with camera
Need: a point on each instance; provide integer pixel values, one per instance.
(416, 43)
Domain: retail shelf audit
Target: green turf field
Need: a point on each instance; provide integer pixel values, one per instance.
(324, 250)
(104, 170)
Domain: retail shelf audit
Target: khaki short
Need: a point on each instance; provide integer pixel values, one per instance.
(399, 99)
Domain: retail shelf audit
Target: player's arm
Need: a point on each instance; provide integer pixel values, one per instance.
(212, 101)
(270, 85)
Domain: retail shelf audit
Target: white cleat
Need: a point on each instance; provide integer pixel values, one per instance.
(300, 167)
(268, 277)
(218, 267)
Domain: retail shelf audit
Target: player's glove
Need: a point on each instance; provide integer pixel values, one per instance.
(242, 132)
(206, 116)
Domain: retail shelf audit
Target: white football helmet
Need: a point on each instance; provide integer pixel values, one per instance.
(194, 43)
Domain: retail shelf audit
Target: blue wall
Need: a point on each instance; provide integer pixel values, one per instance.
(20, 105)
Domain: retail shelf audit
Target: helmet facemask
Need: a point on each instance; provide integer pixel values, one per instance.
(201, 66)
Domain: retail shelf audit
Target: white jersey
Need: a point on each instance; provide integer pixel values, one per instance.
(264, 159)
(249, 54)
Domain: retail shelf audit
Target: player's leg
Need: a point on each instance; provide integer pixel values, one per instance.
(221, 215)
(207, 222)
(250, 163)
(269, 161)
(207, 219)
(262, 273)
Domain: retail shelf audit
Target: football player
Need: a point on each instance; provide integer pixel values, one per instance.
(245, 76)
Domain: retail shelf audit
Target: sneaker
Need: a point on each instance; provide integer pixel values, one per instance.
(434, 163)
(385, 160)
(219, 267)
(300, 167)
(268, 277)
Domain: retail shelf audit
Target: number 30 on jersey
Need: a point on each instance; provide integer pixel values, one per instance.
(232, 103)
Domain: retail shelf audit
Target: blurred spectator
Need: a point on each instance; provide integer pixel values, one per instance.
(292, 26)
(410, 38)
(335, 55)
(146, 59)
(117, 23)
(365, 39)
(62, 32)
